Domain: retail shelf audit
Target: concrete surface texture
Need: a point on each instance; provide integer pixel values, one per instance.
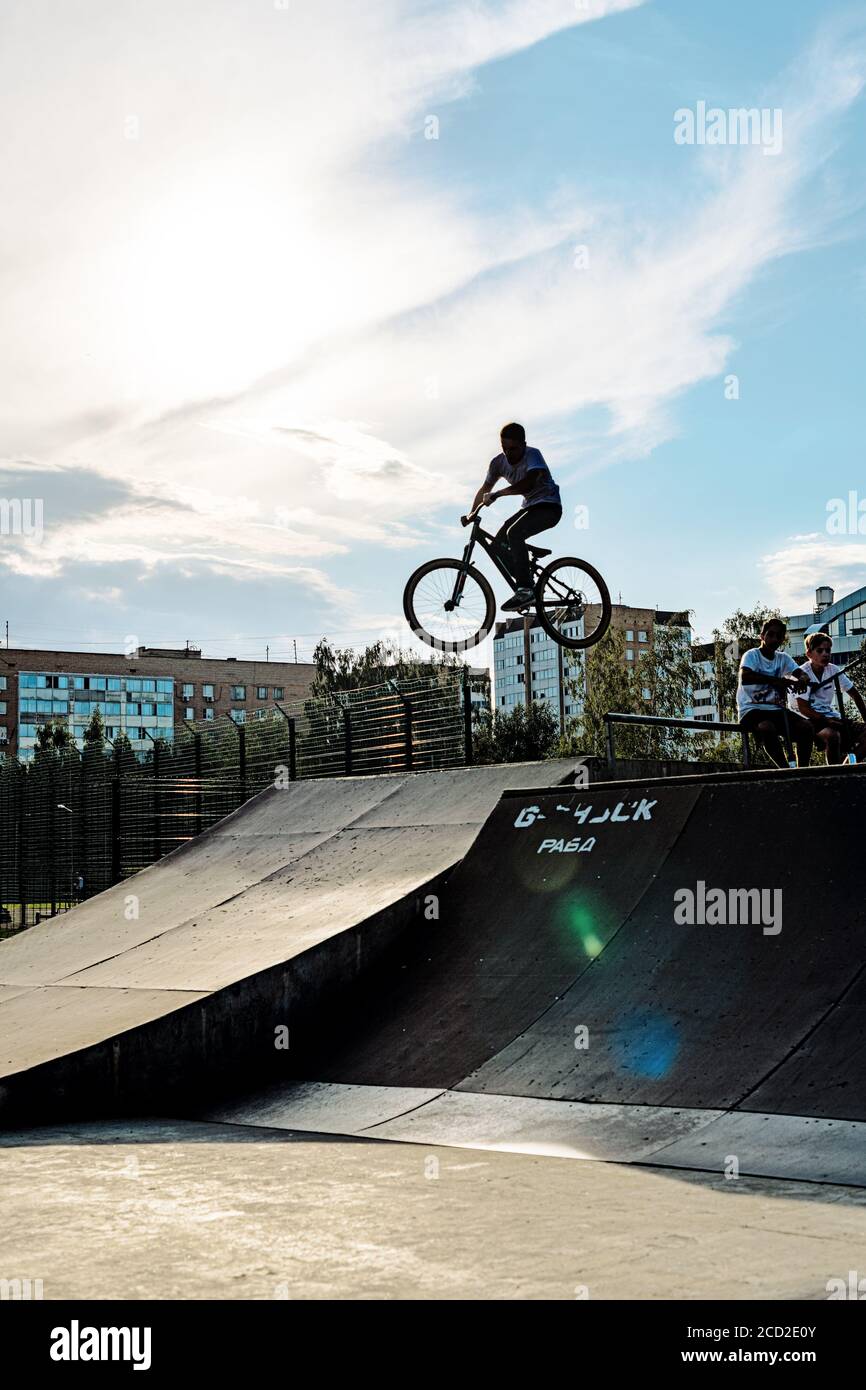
(187, 1211)
(151, 985)
(548, 1087)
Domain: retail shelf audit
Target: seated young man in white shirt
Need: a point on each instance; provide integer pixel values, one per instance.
(766, 677)
(819, 704)
(524, 470)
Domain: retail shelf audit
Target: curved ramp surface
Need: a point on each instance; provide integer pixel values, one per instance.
(690, 944)
(185, 973)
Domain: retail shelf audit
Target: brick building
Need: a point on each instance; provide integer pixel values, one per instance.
(144, 696)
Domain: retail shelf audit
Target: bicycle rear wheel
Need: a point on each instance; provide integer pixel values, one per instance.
(440, 620)
(573, 603)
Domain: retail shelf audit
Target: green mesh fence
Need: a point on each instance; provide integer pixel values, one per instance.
(74, 822)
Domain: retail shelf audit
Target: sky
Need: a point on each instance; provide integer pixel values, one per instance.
(275, 272)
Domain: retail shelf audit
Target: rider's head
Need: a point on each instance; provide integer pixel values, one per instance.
(773, 633)
(818, 648)
(513, 439)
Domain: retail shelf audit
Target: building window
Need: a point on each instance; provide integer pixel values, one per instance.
(187, 690)
(239, 692)
(629, 636)
(278, 692)
(208, 714)
(207, 692)
(2, 706)
(641, 636)
(629, 655)
(2, 682)
(239, 716)
(261, 692)
(189, 712)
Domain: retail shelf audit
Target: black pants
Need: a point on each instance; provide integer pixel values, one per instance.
(512, 536)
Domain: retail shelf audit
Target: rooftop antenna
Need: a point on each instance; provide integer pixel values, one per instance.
(295, 645)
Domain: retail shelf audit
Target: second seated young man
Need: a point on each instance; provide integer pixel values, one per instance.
(820, 705)
(528, 476)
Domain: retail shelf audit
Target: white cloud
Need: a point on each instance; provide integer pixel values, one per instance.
(841, 564)
(350, 335)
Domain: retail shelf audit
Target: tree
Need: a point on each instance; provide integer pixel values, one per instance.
(94, 734)
(519, 736)
(660, 682)
(52, 736)
(665, 678)
(339, 669)
(609, 685)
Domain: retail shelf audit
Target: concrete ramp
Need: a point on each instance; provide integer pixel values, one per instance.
(181, 977)
(563, 993)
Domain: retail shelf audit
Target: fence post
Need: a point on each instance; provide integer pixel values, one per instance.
(407, 725)
(22, 873)
(468, 750)
(293, 750)
(293, 742)
(157, 806)
(347, 739)
(611, 755)
(116, 829)
(242, 761)
(197, 763)
(52, 840)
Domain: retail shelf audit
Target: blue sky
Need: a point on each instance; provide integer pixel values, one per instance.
(262, 332)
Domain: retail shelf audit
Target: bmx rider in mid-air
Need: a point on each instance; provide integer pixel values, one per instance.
(529, 477)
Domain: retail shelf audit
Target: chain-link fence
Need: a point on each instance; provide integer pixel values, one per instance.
(74, 822)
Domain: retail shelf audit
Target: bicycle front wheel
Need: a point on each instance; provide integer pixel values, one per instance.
(445, 613)
(573, 603)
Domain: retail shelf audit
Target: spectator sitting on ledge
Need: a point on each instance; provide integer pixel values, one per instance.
(820, 706)
(766, 677)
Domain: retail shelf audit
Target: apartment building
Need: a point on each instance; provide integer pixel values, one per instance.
(145, 696)
(525, 657)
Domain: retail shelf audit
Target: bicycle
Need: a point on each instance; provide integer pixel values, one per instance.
(569, 596)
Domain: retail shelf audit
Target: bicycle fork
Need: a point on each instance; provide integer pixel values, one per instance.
(460, 582)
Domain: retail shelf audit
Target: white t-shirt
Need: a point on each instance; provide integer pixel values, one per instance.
(822, 701)
(545, 489)
(763, 696)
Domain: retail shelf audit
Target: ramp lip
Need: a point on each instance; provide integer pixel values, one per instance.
(768, 774)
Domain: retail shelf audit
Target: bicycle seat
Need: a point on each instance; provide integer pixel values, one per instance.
(539, 550)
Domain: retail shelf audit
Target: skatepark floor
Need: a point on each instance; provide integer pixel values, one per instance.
(184, 1210)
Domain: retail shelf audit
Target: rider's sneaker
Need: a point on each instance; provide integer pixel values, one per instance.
(522, 599)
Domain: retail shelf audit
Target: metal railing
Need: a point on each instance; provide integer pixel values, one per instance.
(659, 721)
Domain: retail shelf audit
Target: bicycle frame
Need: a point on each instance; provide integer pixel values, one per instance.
(489, 545)
(478, 536)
